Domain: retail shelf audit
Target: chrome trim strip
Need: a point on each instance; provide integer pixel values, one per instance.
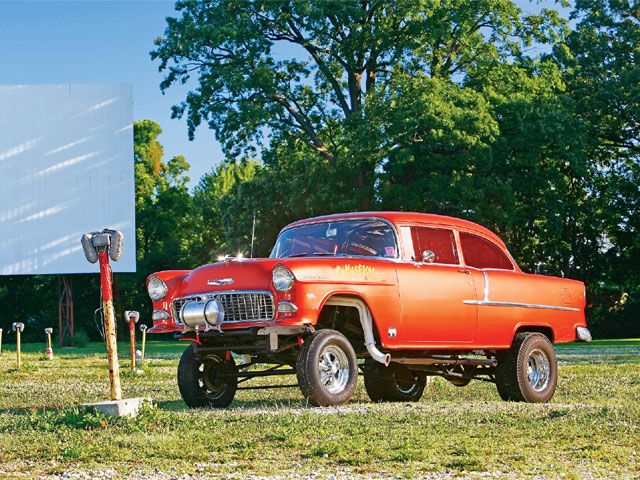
(519, 305)
(486, 286)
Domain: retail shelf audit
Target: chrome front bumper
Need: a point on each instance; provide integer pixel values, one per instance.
(583, 334)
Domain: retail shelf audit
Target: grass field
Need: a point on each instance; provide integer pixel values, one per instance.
(590, 430)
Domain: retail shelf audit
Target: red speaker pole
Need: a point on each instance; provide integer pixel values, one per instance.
(106, 284)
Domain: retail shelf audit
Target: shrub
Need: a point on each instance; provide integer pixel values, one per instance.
(80, 338)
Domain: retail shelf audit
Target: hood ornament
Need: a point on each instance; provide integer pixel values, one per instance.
(220, 281)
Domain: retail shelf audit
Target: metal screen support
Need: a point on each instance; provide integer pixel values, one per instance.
(65, 311)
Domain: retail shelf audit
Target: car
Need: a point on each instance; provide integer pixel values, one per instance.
(395, 296)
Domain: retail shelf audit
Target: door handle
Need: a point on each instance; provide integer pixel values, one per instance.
(462, 270)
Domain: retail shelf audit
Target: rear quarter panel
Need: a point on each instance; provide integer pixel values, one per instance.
(498, 324)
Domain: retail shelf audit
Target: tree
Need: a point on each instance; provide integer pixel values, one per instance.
(601, 66)
(342, 55)
(167, 227)
(226, 216)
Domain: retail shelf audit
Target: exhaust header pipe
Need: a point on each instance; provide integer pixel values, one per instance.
(367, 326)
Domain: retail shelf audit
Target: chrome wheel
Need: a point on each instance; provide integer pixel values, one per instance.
(538, 370)
(333, 367)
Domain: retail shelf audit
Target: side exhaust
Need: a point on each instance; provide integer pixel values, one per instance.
(367, 326)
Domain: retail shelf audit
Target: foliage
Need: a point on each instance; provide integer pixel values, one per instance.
(80, 338)
(166, 218)
(601, 67)
(344, 54)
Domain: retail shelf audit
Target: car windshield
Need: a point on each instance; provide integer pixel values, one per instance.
(366, 237)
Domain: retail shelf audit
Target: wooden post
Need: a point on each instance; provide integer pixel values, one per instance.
(143, 329)
(109, 324)
(0, 340)
(49, 351)
(18, 327)
(132, 340)
(18, 353)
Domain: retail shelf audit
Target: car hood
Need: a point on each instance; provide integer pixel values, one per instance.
(255, 273)
(233, 274)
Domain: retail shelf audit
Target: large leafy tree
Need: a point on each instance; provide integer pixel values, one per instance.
(337, 56)
(601, 65)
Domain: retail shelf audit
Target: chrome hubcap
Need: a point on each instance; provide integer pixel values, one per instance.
(333, 368)
(538, 370)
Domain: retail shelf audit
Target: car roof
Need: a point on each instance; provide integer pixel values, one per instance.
(406, 217)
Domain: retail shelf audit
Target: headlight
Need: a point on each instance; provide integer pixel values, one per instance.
(282, 278)
(157, 288)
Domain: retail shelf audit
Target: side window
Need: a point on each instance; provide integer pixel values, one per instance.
(440, 241)
(481, 253)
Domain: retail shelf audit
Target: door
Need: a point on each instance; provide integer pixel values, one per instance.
(433, 292)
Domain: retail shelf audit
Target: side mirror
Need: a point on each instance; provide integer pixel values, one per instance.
(428, 256)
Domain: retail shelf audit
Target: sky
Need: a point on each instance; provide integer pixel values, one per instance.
(101, 42)
(104, 42)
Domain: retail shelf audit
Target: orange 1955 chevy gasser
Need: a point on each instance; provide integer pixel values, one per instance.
(412, 295)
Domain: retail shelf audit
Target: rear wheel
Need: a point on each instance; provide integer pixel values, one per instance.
(395, 383)
(528, 371)
(327, 368)
(210, 382)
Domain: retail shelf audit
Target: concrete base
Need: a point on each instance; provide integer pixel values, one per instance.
(128, 407)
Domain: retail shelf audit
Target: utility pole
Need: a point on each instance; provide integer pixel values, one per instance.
(253, 233)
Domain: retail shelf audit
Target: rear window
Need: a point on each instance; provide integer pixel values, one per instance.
(481, 253)
(438, 240)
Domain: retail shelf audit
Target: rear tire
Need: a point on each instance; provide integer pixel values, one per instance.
(327, 368)
(528, 371)
(395, 383)
(207, 383)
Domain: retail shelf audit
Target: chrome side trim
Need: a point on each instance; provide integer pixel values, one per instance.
(486, 286)
(519, 305)
(486, 302)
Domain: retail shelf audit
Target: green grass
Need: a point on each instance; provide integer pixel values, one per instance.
(590, 429)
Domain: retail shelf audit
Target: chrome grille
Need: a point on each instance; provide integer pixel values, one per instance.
(237, 306)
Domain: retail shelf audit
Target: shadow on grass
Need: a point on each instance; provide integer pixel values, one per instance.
(239, 405)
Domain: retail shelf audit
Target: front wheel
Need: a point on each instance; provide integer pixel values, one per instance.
(327, 368)
(208, 382)
(528, 371)
(395, 383)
